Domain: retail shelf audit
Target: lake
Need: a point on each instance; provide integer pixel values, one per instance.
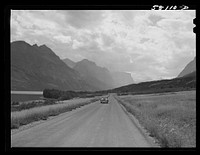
(21, 96)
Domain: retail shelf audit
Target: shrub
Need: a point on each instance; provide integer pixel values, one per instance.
(58, 94)
(15, 103)
(51, 93)
(49, 102)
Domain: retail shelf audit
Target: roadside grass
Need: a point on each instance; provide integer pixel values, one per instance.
(16, 106)
(27, 116)
(170, 118)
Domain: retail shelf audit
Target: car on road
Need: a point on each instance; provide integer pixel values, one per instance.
(104, 100)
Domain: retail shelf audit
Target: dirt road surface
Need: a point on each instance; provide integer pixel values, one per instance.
(93, 125)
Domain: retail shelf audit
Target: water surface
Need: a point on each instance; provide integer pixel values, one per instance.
(21, 96)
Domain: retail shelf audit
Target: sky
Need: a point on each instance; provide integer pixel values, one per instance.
(149, 44)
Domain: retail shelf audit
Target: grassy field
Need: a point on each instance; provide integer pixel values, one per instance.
(27, 116)
(169, 117)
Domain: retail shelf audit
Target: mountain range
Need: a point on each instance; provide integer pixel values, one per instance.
(97, 76)
(121, 78)
(36, 67)
(100, 76)
(186, 80)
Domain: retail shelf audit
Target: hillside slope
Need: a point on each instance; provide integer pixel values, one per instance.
(95, 75)
(69, 62)
(189, 68)
(186, 82)
(121, 78)
(38, 67)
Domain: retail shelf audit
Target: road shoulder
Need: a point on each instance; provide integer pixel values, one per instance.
(151, 140)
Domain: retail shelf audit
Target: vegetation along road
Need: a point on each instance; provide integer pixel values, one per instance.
(93, 125)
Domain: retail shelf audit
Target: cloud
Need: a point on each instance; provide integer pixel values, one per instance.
(77, 44)
(83, 18)
(63, 39)
(155, 19)
(149, 44)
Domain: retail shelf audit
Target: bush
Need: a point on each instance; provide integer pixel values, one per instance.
(15, 103)
(51, 93)
(49, 102)
(58, 94)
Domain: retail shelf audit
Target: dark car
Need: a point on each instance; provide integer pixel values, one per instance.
(104, 100)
